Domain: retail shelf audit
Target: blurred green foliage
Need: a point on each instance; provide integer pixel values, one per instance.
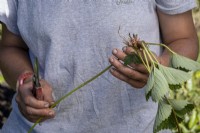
(1, 76)
(191, 91)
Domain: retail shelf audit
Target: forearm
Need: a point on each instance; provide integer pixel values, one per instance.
(13, 62)
(179, 34)
(186, 47)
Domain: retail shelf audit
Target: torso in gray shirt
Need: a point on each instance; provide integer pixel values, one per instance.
(73, 40)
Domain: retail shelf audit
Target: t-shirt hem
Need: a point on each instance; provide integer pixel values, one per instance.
(178, 10)
(9, 27)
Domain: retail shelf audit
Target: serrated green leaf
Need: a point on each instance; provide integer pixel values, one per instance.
(181, 107)
(149, 85)
(178, 104)
(162, 117)
(132, 58)
(174, 76)
(160, 87)
(174, 87)
(178, 61)
(169, 123)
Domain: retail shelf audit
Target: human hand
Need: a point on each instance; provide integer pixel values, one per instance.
(31, 108)
(135, 74)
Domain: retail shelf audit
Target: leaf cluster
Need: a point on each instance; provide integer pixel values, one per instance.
(162, 82)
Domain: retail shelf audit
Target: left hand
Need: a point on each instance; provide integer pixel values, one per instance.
(135, 74)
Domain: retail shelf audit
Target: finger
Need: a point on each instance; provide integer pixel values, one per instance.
(34, 118)
(119, 54)
(47, 91)
(33, 112)
(134, 83)
(127, 71)
(128, 50)
(39, 112)
(140, 68)
(25, 96)
(31, 118)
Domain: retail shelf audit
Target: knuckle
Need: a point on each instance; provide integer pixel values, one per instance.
(29, 111)
(120, 67)
(27, 100)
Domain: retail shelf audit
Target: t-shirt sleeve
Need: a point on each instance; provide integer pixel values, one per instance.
(8, 15)
(175, 6)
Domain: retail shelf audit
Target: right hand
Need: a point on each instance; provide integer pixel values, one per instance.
(31, 108)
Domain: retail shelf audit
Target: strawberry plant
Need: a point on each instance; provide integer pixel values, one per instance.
(161, 83)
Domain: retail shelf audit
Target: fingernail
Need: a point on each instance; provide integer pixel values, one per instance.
(124, 48)
(51, 113)
(111, 59)
(46, 105)
(114, 51)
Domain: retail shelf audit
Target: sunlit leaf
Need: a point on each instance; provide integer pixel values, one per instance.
(178, 61)
(132, 58)
(174, 76)
(197, 74)
(160, 87)
(181, 107)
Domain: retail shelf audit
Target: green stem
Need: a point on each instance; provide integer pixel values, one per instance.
(70, 93)
(146, 60)
(153, 56)
(160, 44)
(176, 120)
(174, 114)
(152, 61)
(143, 62)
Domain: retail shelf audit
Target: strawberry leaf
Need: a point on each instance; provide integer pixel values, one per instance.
(132, 58)
(163, 117)
(160, 87)
(178, 61)
(174, 76)
(181, 107)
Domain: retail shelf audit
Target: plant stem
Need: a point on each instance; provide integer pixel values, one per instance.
(152, 61)
(176, 120)
(160, 44)
(143, 62)
(146, 60)
(70, 93)
(174, 114)
(153, 56)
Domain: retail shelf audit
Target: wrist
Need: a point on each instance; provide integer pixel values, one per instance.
(164, 60)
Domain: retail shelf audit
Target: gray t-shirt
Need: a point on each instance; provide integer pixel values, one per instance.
(73, 40)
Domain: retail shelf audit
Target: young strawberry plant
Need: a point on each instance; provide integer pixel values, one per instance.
(160, 85)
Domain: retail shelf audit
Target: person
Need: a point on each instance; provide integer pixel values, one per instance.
(73, 41)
